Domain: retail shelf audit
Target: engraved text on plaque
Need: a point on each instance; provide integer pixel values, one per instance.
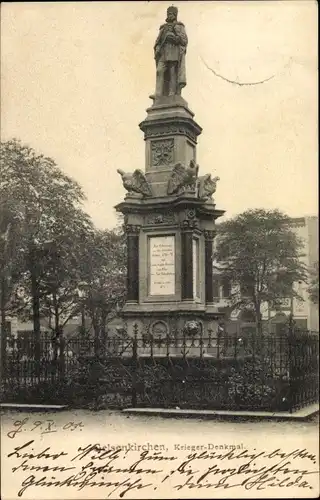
(162, 265)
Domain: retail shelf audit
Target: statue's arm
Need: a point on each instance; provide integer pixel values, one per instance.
(182, 35)
(157, 40)
(160, 36)
(157, 44)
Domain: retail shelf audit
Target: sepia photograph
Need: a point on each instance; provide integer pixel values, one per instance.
(159, 250)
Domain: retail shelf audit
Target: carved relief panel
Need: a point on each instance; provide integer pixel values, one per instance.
(160, 218)
(162, 152)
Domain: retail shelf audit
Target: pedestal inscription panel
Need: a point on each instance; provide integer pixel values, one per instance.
(161, 265)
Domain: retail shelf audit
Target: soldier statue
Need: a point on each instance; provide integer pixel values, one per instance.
(169, 52)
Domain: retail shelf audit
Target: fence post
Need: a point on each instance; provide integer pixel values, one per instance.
(220, 332)
(201, 366)
(184, 344)
(62, 365)
(96, 344)
(134, 366)
(291, 364)
(201, 343)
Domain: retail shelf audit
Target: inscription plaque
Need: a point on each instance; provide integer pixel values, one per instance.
(162, 265)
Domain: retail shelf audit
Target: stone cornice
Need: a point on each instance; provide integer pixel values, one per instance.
(175, 203)
(169, 126)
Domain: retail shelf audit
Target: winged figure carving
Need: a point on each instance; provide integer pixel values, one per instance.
(183, 178)
(207, 186)
(135, 182)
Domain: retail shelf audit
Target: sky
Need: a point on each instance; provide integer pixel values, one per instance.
(76, 80)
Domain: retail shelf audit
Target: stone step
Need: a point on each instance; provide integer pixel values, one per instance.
(35, 407)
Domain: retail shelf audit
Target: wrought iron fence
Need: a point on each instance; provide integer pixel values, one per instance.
(216, 371)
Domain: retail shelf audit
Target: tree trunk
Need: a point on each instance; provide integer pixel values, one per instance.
(258, 318)
(83, 320)
(259, 323)
(36, 318)
(259, 339)
(104, 315)
(56, 316)
(50, 318)
(95, 324)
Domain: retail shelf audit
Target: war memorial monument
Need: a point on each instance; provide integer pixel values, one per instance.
(169, 210)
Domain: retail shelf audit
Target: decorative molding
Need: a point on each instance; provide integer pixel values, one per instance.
(162, 152)
(164, 130)
(160, 218)
(210, 235)
(189, 224)
(192, 328)
(159, 328)
(132, 229)
(297, 223)
(191, 213)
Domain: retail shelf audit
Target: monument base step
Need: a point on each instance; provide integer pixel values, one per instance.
(301, 414)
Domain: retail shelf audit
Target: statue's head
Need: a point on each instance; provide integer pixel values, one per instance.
(172, 14)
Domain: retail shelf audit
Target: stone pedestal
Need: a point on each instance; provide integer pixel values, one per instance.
(169, 237)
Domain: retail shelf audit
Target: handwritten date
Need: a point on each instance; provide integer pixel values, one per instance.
(45, 426)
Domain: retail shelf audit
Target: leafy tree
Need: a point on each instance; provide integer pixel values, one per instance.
(104, 277)
(10, 264)
(59, 285)
(53, 263)
(313, 288)
(11, 247)
(52, 226)
(260, 254)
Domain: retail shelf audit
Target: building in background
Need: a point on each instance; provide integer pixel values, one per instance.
(305, 313)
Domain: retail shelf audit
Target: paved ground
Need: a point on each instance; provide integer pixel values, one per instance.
(300, 414)
(118, 421)
(71, 429)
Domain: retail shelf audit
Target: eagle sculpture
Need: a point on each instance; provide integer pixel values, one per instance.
(207, 186)
(183, 178)
(135, 182)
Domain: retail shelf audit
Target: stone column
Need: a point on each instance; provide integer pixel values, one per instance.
(209, 237)
(132, 262)
(186, 261)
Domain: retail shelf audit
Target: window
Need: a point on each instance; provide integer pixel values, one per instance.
(216, 287)
(247, 316)
(7, 328)
(226, 288)
(245, 290)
